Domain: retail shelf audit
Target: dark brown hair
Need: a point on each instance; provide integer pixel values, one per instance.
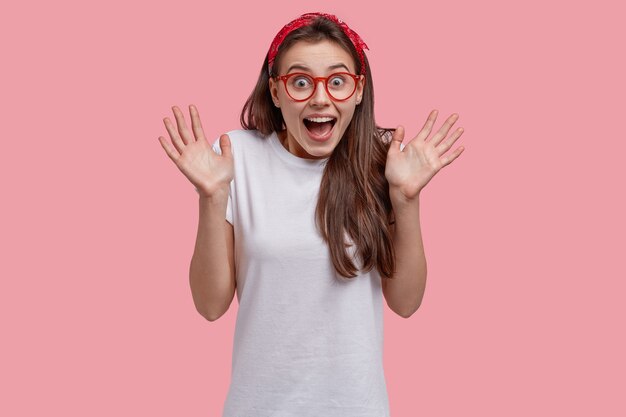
(354, 193)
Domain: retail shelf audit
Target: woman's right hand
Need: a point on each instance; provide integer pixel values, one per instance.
(208, 171)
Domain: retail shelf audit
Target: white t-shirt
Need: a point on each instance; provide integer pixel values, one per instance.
(308, 342)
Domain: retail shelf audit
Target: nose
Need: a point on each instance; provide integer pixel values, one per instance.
(320, 96)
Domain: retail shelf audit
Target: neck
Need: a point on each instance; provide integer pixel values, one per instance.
(282, 137)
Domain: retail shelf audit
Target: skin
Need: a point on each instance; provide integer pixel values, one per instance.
(192, 153)
(317, 57)
(408, 170)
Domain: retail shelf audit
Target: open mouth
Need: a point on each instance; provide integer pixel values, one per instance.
(320, 128)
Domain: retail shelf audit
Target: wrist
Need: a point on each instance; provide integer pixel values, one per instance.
(399, 198)
(218, 194)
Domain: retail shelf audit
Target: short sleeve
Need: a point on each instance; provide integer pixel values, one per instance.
(229, 210)
(229, 207)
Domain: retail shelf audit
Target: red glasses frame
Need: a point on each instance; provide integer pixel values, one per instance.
(316, 81)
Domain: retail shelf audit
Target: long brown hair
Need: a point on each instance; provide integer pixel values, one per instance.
(354, 193)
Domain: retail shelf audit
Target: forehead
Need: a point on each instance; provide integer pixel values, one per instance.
(318, 57)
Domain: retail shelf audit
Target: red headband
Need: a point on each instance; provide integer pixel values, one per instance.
(304, 20)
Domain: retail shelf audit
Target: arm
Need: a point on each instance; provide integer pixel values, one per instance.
(408, 171)
(212, 269)
(404, 292)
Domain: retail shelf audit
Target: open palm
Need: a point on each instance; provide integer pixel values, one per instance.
(208, 171)
(410, 169)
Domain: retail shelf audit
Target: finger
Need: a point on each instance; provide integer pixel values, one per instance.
(447, 144)
(396, 139)
(443, 132)
(449, 158)
(169, 149)
(183, 130)
(225, 146)
(196, 125)
(428, 126)
(178, 143)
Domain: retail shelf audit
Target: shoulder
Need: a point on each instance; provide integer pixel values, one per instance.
(239, 135)
(239, 138)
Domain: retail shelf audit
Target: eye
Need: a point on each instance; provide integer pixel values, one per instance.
(337, 81)
(301, 82)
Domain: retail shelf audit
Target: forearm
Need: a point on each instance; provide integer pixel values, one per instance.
(209, 271)
(404, 292)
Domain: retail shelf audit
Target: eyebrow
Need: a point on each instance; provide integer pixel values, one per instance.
(304, 67)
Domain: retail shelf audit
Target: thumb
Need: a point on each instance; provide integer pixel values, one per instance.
(396, 139)
(225, 146)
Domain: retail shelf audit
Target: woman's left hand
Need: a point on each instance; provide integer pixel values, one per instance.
(409, 170)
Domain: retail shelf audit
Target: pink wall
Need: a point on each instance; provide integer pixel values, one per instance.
(524, 232)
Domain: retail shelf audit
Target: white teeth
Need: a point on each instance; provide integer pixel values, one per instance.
(320, 119)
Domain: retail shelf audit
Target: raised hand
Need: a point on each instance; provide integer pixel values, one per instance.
(408, 171)
(208, 171)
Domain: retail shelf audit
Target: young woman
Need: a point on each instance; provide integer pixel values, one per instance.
(322, 222)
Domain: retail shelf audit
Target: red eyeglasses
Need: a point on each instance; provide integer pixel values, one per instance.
(340, 86)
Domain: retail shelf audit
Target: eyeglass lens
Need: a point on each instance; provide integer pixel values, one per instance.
(340, 86)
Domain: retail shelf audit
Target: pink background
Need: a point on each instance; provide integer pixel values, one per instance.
(524, 232)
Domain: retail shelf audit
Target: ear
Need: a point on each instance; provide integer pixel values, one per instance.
(274, 91)
(359, 88)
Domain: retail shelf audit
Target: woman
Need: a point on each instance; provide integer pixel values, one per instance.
(312, 191)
